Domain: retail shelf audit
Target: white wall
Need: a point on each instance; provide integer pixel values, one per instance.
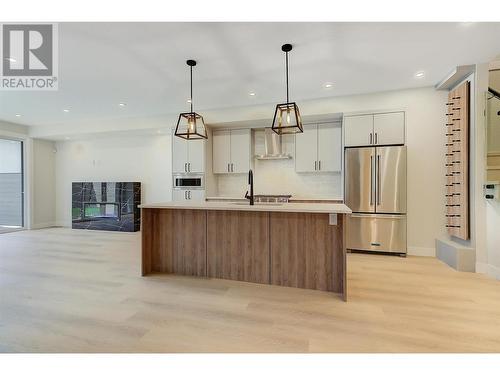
(43, 195)
(490, 263)
(141, 158)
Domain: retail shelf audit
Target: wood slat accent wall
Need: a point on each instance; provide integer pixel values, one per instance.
(457, 161)
(238, 245)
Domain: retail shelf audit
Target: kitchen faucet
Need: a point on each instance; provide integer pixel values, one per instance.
(250, 188)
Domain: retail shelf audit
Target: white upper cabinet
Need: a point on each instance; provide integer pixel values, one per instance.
(389, 128)
(221, 158)
(179, 154)
(188, 156)
(231, 151)
(319, 148)
(329, 148)
(358, 130)
(374, 129)
(240, 150)
(306, 145)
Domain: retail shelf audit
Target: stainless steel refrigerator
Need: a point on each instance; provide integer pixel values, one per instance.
(375, 189)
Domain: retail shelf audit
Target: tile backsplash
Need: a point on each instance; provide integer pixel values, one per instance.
(279, 177)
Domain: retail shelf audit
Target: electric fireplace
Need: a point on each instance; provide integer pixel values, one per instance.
(106, 206)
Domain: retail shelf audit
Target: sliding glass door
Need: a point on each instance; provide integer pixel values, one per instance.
(11, 185)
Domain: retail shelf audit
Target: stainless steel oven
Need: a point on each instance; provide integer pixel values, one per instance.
(189, 181)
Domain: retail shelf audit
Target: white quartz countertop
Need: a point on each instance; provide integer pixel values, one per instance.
(327, 208)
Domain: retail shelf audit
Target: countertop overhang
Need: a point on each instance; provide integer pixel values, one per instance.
(326, 208)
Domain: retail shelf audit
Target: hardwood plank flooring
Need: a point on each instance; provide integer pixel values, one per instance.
(64, 290)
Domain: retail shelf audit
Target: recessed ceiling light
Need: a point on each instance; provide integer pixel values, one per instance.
(18, 115)
(122, 104)
(251, 93)
(66, 110)
(328, 85)
(419, 74)
(11, 59)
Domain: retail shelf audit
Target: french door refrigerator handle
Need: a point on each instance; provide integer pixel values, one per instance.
(378, 181)
(371, 180)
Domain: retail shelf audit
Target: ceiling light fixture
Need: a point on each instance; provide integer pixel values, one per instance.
(251, 93)
(65, 110)
(328, 85)
(419, 74)
(190, 125)
(287, 116)
(18, 115)
(122, 104)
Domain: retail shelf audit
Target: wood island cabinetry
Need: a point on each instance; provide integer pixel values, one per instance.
(264, 245)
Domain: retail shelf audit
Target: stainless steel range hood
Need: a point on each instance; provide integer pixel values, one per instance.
(273, 147)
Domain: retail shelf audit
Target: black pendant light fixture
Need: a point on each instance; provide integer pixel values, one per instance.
(190, 125)
(287, 116)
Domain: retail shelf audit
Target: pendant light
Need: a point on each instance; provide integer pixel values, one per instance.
(287, 116)
(190, 125)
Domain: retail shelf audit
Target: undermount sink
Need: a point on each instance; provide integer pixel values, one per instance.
(257, 204)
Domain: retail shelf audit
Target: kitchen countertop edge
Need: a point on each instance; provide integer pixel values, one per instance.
(327, 208)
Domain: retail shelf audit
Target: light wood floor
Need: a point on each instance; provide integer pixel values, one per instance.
(65, 290)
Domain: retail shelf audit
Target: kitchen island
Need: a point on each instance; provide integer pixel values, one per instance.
(298, 245)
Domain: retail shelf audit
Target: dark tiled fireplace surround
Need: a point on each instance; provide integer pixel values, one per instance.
(110, 206)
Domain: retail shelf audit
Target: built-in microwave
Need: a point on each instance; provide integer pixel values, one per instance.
(189, 181)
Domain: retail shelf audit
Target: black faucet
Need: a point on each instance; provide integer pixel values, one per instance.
(250, 183)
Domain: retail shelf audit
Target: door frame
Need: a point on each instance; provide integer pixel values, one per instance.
(26, 146)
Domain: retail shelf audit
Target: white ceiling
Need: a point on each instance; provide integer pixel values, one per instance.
(143, 65)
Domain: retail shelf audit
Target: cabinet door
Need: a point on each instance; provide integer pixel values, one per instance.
(179, 154)
(389, 128)
(358, 130)
(179, 195)
(196, 155)
(221, 156)
(329, 148)
(306, 149)
(240, 150)
(196, 195)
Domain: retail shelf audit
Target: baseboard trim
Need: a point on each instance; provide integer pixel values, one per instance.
(488, 269)
(422, 251)
(49, 224)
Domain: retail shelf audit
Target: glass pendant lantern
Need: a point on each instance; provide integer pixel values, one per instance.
(287, 116)
(190, 125)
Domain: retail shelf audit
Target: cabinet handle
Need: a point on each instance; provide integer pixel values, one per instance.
(189, 194)
(319, 165)
(376, 138)
(185, 167)
(185, 195)
(315, 165)
(232, 167)
(189, 167)
(228, 168)
(371, 138)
